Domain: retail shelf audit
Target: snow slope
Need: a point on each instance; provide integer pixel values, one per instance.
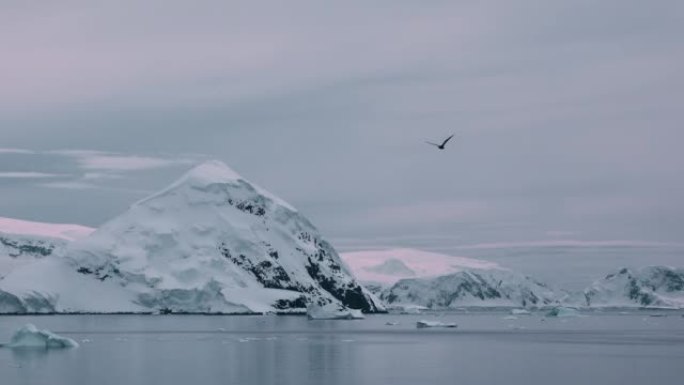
(24, 242)
(655, 286)
(471, 288)
(386, 267)
(211, 242)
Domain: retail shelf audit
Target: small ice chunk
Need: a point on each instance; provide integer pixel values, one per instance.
(510, 318)
(392, 323)
(333, 311)
(520, 312)
(30, 336)
(434, 324)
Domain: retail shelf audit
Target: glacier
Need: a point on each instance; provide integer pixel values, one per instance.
(23, 242)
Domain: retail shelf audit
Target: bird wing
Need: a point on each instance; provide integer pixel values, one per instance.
(434, 144)
(447, 140)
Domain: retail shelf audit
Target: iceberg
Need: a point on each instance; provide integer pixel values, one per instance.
(30, 336)
(333, 311)
(562, 312)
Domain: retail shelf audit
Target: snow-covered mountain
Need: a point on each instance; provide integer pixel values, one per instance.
(655, 286)
(23, 242)
(494, 287)
(387, 267)
(210, 242)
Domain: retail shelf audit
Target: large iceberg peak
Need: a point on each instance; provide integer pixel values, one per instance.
(210, 172)
(212, 177)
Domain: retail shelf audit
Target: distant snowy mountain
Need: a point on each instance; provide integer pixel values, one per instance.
(471, 288)
(655, 286)
(23, 242)
(386, 267)
(211, 242)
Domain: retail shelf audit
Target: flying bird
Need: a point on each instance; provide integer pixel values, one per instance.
(443, 145)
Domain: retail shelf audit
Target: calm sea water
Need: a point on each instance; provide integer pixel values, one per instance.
(599, 348)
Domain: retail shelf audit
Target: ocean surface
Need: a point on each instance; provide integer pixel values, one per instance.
(638, 347)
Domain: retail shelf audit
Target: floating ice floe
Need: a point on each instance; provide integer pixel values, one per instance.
(434, 324)
(333, 311)
(393, 323)
(30, 336)
(515, 327)
(562, 312)
(408, 309)
(510, 318)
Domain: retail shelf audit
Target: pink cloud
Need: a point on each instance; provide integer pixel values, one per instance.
(53, 230)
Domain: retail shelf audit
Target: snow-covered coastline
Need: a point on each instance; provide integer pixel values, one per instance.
(213, 243)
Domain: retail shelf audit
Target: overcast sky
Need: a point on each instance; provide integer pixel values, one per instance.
(568, 114)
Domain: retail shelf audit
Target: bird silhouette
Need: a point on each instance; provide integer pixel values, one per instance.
(443, 145)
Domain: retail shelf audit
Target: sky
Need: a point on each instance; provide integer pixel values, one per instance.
(567, 114)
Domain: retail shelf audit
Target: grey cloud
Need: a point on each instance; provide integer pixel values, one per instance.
(567, 114)
(27, 175)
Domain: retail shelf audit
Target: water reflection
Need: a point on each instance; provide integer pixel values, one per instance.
(292, 350)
